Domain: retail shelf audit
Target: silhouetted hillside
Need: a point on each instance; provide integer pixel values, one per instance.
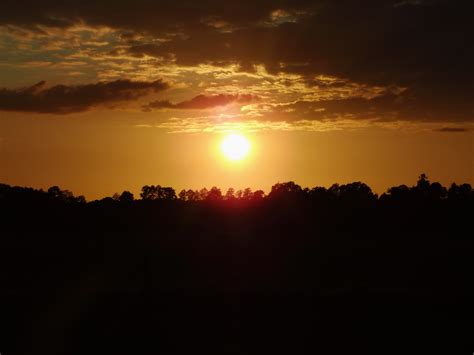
(298, 271)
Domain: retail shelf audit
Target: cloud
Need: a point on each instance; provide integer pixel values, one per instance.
(452, 129)
(202, 102)
(387, 106)
(422, 46)
(64, 99)
(143, 14)
(218, 124)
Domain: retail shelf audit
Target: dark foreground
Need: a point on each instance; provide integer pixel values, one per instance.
(297, 272)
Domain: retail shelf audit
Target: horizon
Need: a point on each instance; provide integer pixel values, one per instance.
(400, 166)
(137, 195)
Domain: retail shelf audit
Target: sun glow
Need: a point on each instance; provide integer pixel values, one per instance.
(235, 147)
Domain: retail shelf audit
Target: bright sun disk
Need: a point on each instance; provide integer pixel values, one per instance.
(235, 147)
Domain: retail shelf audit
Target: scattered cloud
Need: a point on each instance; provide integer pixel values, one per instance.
(388, 60)
(64, 99)
(452, 129)
(202, 102)
(225, 124)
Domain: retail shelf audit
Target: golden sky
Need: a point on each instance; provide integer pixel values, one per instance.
(99, 99)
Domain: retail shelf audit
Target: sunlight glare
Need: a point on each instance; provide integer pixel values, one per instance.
(235, 147)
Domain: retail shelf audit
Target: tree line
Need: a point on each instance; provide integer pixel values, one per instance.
(355, 192)
(297, 270)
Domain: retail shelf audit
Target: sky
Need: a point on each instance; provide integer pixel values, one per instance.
(104, 96)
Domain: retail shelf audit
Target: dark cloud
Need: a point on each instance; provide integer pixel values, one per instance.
(383, 107)
(201, 102)
(63, 99)
(452, 129)
(410, 105)
(424, 46)
(389, 106)
(144, 15)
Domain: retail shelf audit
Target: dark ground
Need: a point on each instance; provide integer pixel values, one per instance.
(299, 272)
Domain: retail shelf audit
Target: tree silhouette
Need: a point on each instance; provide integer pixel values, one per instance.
(304, 265)
(203, 194)
(152, 192)
(126, 197)
(214, 194)
(285, 189)
(460, 192)
(230, 194)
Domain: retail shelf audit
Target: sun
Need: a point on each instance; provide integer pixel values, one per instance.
(235, 147)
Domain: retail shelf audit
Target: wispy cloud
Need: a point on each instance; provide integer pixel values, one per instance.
(300, 52)
(202, 102)
(451, 129)
(63, 99)
(233, 123)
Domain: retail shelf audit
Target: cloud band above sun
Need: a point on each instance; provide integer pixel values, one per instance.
(63, 99)
(322, 61)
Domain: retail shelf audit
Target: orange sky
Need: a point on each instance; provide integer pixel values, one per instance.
(100, 101)
(96, 155)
